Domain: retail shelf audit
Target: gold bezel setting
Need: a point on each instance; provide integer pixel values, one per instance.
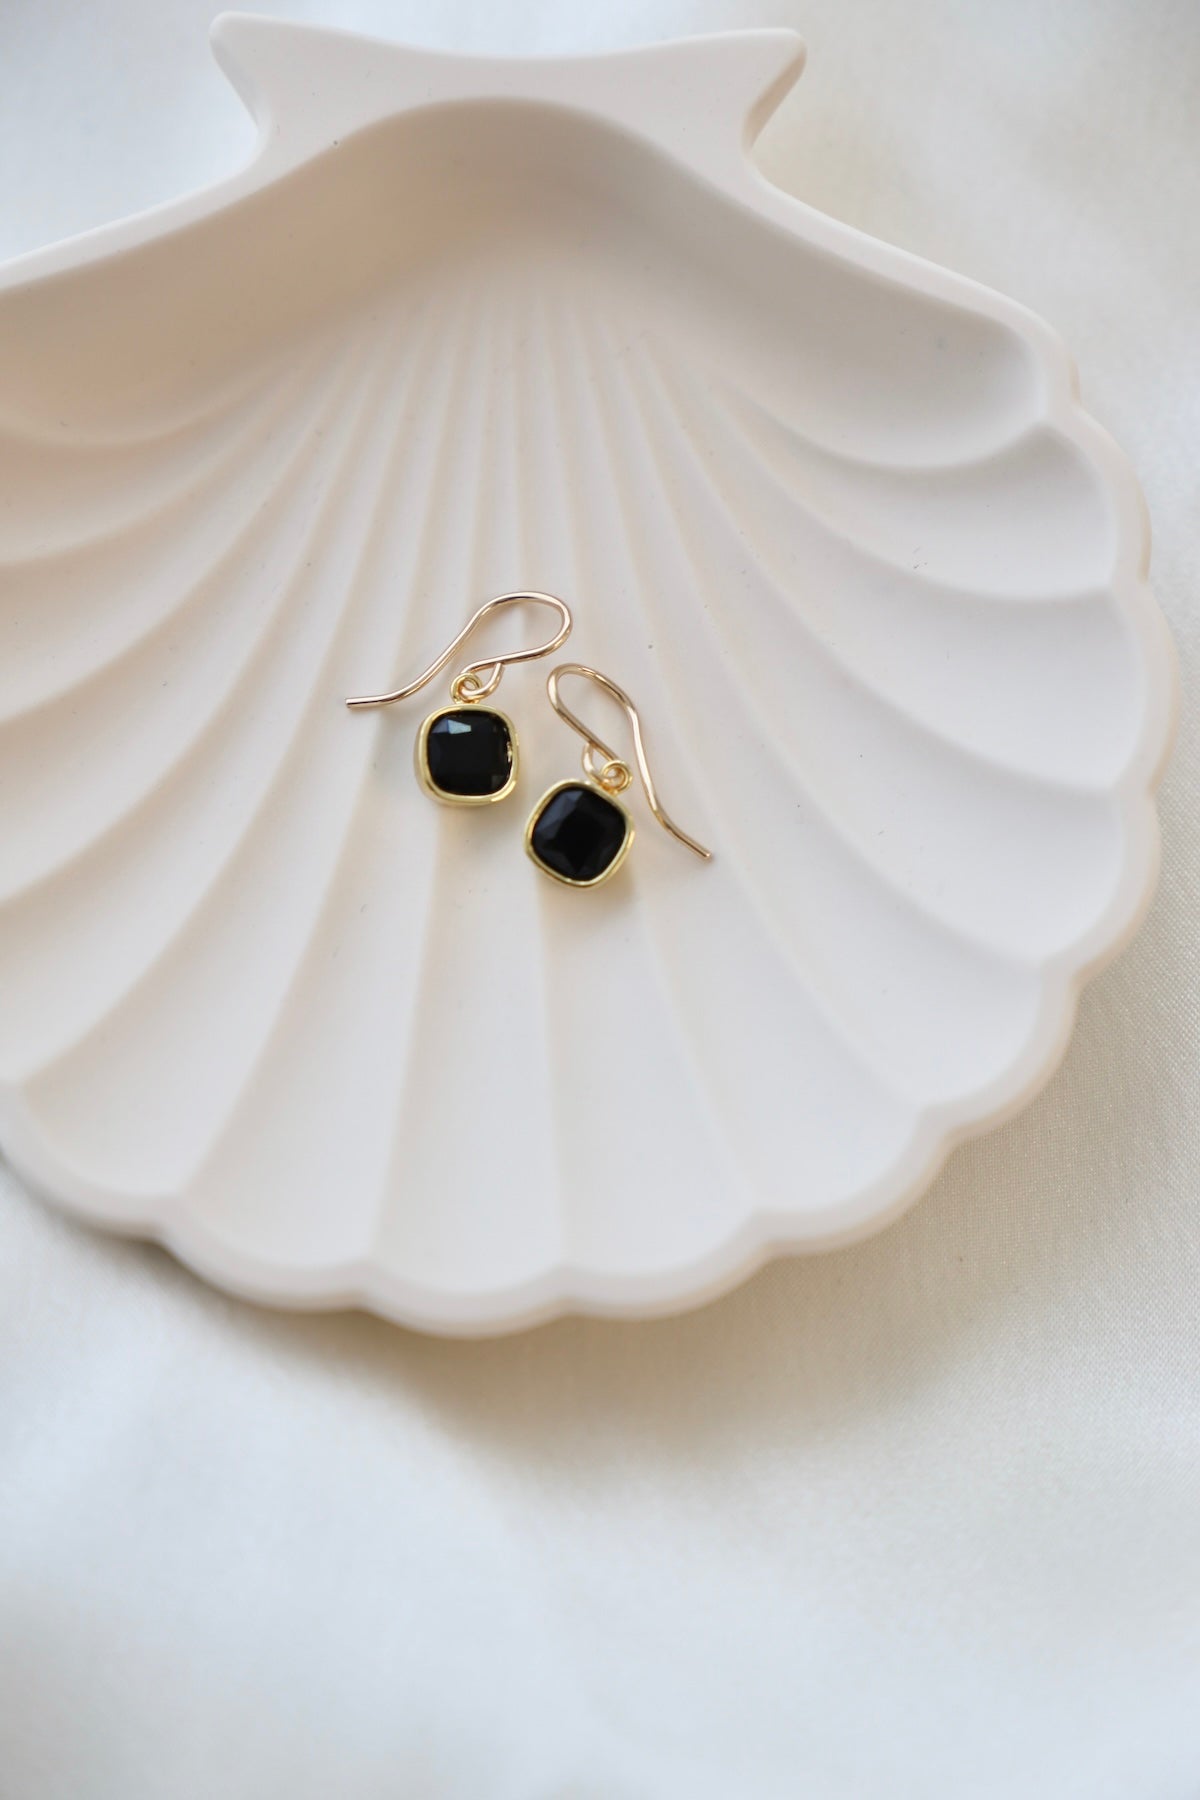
(577, 781)
(421, 759)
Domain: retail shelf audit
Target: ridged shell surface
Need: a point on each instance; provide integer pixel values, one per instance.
(835, 519)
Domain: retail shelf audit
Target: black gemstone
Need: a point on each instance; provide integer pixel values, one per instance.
(578, 833)
(468, 752)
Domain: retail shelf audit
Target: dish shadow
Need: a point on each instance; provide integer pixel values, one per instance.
(1021, 1222)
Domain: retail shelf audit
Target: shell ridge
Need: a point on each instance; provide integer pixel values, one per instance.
(248, 525)
(571, 399)
(841, 667)
(468, 417)
(833, 1013)
(752, 409)
(529, 418)
(228, 703)
(737, 686)
(71, 440)
(821, 523)
(292, 1003)
(1091, 811)
(206, 900)
(191, 488)
(861, 1040)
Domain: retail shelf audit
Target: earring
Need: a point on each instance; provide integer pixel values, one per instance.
(579, 832)
(466, 754)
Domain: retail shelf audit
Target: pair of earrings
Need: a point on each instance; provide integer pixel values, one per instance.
(467, 755)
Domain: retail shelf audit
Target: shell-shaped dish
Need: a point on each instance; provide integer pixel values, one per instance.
(833, 516)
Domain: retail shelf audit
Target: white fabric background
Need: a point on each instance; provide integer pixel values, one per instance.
(920, 1519)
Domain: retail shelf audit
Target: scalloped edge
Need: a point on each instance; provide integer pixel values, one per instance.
(563, 1290)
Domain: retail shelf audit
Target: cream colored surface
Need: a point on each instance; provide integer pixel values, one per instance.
(921, 1518)
(837, 516)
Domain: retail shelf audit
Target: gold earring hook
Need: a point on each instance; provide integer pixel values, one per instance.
(615, 775)
(471, 683)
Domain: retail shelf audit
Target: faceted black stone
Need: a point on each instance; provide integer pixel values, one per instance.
(468, 752)
(578, 833)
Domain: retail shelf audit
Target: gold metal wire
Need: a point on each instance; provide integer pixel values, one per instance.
(614, 775)
(478, 679)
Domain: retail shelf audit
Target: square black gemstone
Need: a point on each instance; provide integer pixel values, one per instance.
(468, 753)
(579, 833)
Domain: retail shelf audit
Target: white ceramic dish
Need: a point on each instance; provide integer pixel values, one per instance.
(834, 516)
